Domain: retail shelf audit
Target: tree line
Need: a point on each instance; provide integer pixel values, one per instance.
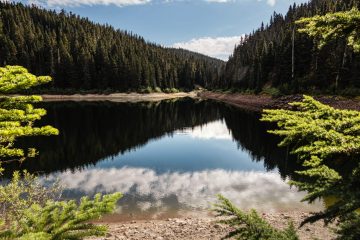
(82, 55)
(278, 56)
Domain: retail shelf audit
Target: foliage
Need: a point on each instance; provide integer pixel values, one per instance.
(17, 114)
(80, 54)
(349, 227)
(15, 78)
(250, 226)
(23, 191)
(62, 220)
(275, 92)
(263, 58)
(334, 26)
(28, 209)
(327, 141)
(324, 138)
(171, 90)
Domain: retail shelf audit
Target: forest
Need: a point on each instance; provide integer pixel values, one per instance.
(277, 56)
(79, 54)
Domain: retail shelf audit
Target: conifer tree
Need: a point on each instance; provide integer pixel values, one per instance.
(82, 55)
(332, 26)
(265, 58)
(250, 226)
(327, 142)
(30, 213)
(17, 114)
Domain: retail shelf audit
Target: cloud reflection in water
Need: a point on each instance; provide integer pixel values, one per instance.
(261, 190)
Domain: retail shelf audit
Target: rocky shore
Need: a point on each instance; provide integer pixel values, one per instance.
(118, 97)
(259, 102)
(205, 228)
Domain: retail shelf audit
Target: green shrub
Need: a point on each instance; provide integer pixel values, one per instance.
(350, 92)
(157, 90)
(174, 90)
(327, 142)
(272, 91)
(28, 209)
(250, 226)
(62, 219)
(171, 90)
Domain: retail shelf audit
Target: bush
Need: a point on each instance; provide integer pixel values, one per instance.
(145, 90)
(62, 219)
(171, 90)
(350, 92)
(28, 208)
(327, 142)
(250, 226)
(157, 90)
(272, 91)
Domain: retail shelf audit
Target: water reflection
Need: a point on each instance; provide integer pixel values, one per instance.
(211, 130)
(148, 190)
(166, 157)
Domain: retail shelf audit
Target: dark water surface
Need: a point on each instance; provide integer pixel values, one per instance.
(168, 158)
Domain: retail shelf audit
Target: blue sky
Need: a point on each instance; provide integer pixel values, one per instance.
(211, 27)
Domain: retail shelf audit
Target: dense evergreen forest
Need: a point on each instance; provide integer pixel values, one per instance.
(277, 56)
(80, 54)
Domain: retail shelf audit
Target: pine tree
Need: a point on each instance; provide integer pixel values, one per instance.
(327, 142)
(30, 212)
(17, 113)
(333, 26)
(80, 54)
(250, 226)
(265, 58)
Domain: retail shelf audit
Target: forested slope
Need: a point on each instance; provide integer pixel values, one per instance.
(265, 58)
(80, 54)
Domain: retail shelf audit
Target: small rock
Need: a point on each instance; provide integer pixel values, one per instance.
(218, 226)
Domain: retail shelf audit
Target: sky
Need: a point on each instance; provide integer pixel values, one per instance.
(211, 27)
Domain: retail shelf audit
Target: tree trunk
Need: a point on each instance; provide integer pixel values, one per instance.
(293, 55)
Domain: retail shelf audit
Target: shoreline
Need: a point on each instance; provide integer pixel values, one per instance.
(257, 103)
(118, 97)
(205, 228)
(248, 102)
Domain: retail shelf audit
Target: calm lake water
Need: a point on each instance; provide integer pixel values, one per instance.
(168, 158)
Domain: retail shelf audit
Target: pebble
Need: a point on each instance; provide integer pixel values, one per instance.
(204, 228)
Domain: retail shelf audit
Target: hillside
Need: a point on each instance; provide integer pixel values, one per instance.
(263, 59)
(82, 55)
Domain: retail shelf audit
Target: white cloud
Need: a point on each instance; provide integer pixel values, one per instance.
(121, 3)
(265, 191)
(271, 2)
(212, 130)
(220, 47)
(62, 3)
(219, 1)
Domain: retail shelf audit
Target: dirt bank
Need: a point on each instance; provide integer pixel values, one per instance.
(205, 228)
(118, 97)
(260, 102)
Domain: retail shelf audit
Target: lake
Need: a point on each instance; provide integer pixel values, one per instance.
(168, 158)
